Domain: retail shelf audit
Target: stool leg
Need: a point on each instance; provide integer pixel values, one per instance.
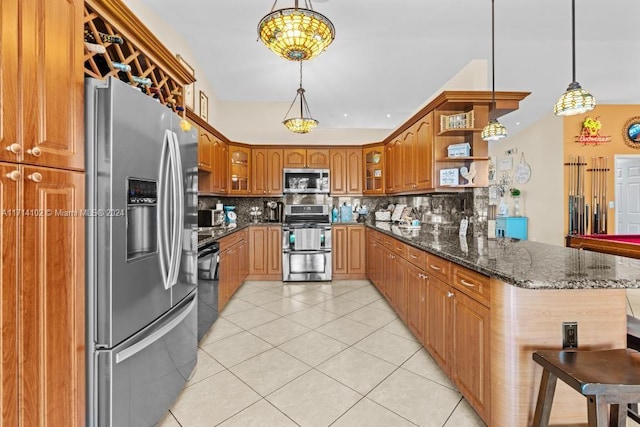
(633, 412)
(545, 399)
(618, 415)
(597, 409)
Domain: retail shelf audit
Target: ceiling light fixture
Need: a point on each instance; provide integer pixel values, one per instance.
(575, 100)
(304, 123)
(494, 130)
(296, 34)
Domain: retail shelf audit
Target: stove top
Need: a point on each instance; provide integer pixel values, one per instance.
(306, 215)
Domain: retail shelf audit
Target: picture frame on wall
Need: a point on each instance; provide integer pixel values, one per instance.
(189, 95)
(204, 107)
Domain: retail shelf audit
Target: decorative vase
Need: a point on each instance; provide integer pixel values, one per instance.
(516, 206)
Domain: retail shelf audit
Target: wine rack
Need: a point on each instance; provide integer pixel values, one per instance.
(117, 44)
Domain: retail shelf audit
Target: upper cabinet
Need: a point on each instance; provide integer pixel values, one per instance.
(266, 171)
(417, 155)
(373, 165)
(205, 150)
(346, 170)
(316, 158)
(42, 87)
(239, 162)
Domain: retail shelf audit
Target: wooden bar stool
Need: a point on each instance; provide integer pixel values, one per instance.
(606, 377)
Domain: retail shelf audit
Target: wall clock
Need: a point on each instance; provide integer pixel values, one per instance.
(631, 132)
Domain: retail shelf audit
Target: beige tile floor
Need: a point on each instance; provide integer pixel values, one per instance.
(318, 354)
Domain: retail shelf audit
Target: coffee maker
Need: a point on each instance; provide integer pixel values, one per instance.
(273, 211)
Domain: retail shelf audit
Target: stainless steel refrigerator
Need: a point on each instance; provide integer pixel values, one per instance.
(141, 255)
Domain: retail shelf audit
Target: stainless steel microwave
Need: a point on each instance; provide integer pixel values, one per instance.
(301, 181)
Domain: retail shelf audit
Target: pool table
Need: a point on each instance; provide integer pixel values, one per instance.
(616, 244)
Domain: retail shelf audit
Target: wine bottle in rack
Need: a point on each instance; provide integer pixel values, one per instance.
(122, 67)
(142, 80)
(92, 47)
(106, 38)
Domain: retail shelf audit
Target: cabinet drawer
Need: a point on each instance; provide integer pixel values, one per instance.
(438, 267)
(416, 257)
(399, 248)
(471, 283)
(388, 242)
(228, 241)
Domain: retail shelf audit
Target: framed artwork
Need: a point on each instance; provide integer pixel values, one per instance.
(189, 92)
(204, 107)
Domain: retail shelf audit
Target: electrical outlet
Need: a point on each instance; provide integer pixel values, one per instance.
(569, 334)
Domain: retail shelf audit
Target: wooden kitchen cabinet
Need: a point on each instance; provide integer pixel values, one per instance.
(234, 265)
(438, 323)
(346, 171)
(42, 306)
(266, 171)
(373, 170)
(416, 300)
(470, 351)
(265, 253)
(423, 153)
(314, 158)
(205, 150)
(239, 164)
(42, 86)
(408, 166)
(220, 173)
(46, 101)
(348, 252)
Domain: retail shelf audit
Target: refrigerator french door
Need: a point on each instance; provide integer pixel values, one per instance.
(141, 255)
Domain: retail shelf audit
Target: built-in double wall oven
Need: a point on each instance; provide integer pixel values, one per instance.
(306, 243)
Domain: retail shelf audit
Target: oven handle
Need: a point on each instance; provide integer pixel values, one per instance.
(289, 251)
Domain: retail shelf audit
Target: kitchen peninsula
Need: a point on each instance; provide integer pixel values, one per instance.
(482, 306)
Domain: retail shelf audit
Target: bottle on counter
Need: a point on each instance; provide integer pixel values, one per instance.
(334, 214)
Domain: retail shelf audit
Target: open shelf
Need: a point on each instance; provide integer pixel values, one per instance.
(461, 159)
(457, 132)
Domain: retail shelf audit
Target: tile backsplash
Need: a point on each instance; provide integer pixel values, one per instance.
(450, 208)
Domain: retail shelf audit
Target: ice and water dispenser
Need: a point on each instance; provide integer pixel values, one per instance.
(142, 218)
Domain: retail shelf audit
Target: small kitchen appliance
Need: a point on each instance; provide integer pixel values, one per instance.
(273, 211)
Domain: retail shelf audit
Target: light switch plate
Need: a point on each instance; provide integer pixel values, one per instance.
(569, 335)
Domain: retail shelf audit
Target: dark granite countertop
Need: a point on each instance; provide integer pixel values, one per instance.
(522, 263)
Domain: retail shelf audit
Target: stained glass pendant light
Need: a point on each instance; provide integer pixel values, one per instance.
(296, 34)
(304, 123)
(494, 130)
(575, 100)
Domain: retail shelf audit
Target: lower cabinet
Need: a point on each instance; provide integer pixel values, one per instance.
(265, 253)
(234, 265)
(446, 307)
(348, 252)
(42, 305)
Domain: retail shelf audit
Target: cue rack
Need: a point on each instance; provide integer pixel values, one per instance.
(579, 217)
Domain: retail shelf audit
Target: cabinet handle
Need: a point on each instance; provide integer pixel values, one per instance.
(35, 151)
(464, 282)
(434, 267)
(413, 256)
(15, 148)
(35, 177)
(14, 175)
(450, 294)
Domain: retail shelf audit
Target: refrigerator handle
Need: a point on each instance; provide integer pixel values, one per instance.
(163, 211)
(179, 208)
(173, 257)
(154, 336)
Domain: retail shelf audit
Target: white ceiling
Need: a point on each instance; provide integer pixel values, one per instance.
(389, 57)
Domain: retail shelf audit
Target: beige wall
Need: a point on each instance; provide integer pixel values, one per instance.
(542, 199)
(613, 119)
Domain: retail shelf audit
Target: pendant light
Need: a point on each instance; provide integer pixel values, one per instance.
(494, 130)
(305, 123)
(296, 34)
(575, 100)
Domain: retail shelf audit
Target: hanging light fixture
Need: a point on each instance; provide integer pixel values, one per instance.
(575, 100)
(304, 123)
(494, 130)
(296, 34)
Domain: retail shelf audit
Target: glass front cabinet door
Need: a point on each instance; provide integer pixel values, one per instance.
(373, 169)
